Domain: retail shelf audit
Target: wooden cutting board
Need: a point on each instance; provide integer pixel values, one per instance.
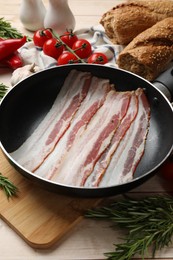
(40, 217)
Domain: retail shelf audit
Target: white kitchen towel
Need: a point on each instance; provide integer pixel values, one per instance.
(95, 35)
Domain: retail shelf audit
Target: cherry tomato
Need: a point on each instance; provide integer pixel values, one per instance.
(82, 48)
(53, 48)
(166, 170)
(97, 58)
(67, 58)
(41, 36)
(69, 38)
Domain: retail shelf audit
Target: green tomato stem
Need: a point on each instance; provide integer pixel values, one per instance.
(56, 35)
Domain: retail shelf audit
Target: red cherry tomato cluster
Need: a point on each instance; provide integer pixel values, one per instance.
(53, 48)
(67, 58)
(97, 58)
(41, 36)
(69, 38)
(67, 48)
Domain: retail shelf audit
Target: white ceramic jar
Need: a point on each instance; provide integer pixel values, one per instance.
(59, 16)
(32, 13)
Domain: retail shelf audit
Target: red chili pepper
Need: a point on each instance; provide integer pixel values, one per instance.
(14, 61)
(9, 46)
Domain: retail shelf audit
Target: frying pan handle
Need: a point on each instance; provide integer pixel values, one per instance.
(165, 83)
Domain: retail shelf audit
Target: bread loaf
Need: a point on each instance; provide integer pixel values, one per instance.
(150, 52)
(125, 21)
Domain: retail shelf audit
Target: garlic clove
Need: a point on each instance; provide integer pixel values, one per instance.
(23, 72)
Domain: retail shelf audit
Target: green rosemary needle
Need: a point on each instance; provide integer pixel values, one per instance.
(7, 186)
(3, 90)
(6, 30)
(149, 223)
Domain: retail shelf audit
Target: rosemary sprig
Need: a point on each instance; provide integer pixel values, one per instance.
(6, 30)
(3, 90)
(149, 223)
(7, 186)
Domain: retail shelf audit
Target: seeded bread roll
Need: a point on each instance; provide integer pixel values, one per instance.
(125, 21)
(150, 52)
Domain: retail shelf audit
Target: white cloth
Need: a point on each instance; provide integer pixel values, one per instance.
(95, 35)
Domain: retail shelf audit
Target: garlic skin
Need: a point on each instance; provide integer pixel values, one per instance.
(23, 72)
(59, 16)
(32, 13)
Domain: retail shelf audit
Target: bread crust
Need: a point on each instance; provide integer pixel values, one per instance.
(150, 52)
(125, 21)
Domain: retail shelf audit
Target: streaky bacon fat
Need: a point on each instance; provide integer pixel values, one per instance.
(80, 160)
(103, 162)
(130, 150)
(43, 140)
(93, 101)
(92, 136)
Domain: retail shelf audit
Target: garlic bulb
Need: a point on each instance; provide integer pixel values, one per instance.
(59, 16)
(32, 13)
(23, 72)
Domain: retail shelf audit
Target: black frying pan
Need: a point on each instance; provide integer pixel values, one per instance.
(27, 103)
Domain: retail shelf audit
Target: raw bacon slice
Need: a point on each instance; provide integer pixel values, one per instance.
(81, 158)
(37, 147)
(58, 104)
(102, 164)
(131, 148)
(93, 101)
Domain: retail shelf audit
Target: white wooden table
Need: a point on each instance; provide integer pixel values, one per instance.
(90, 239)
